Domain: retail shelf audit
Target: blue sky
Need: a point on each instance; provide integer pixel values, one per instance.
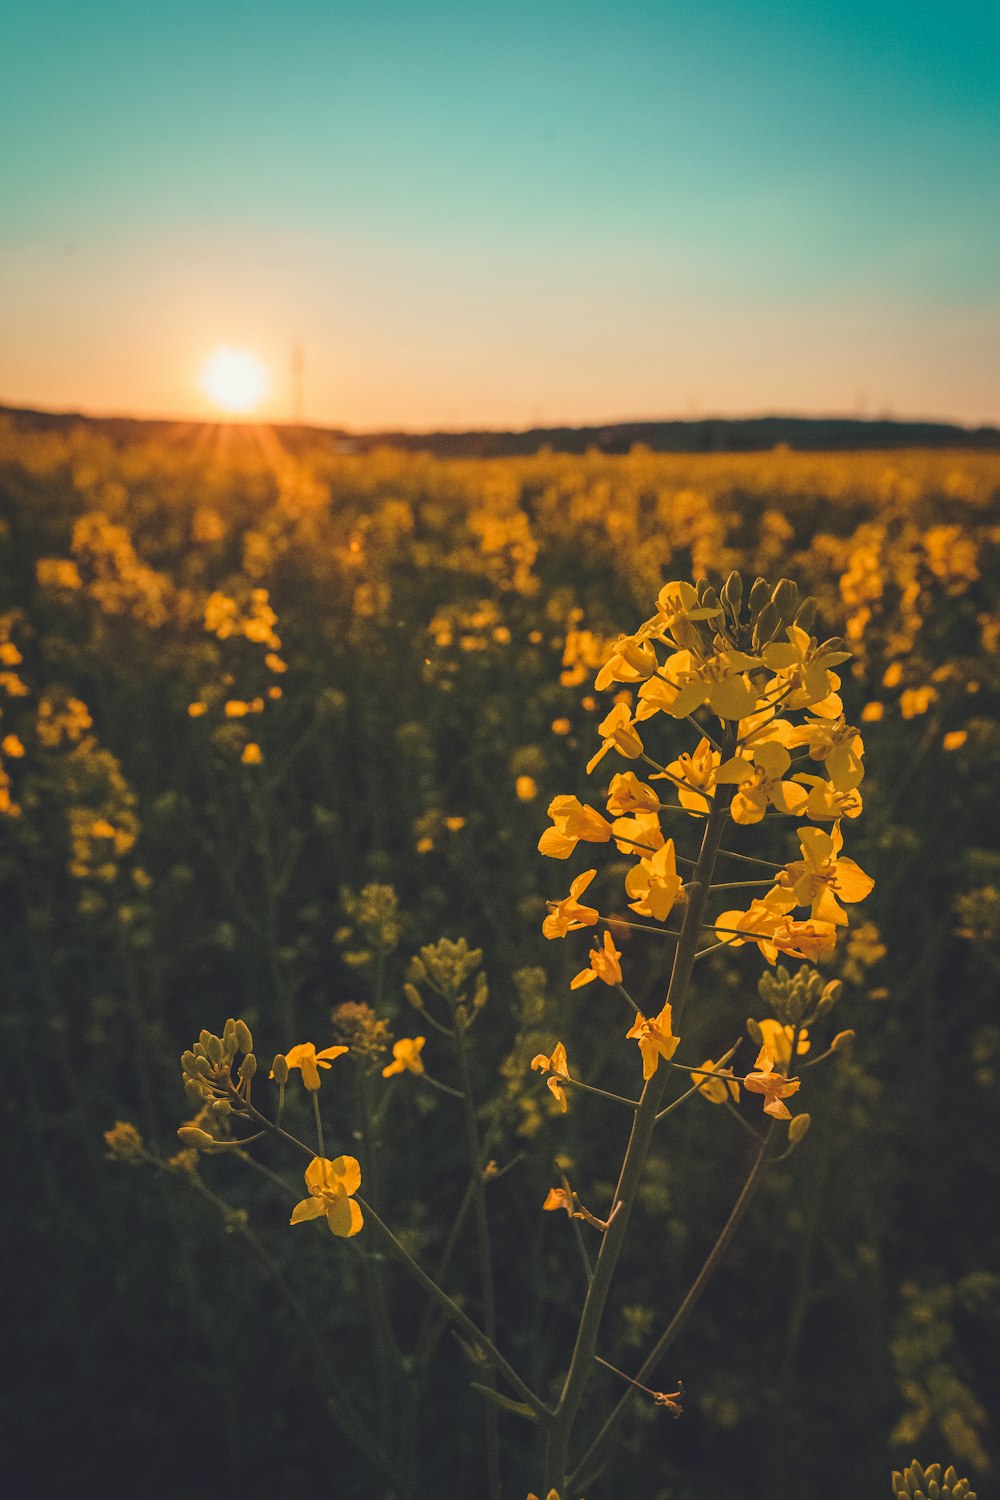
(499, 215)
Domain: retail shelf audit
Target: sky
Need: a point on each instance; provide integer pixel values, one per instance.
(506, 214)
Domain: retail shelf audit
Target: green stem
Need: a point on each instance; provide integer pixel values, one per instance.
(596, 1455)
(454, 1313)
(485, 1252)
(582, 1359)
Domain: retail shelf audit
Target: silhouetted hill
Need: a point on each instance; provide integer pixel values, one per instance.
(703, 435)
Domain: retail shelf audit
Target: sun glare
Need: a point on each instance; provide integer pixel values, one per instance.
(234, 380)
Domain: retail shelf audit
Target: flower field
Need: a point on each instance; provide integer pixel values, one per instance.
(273, 721)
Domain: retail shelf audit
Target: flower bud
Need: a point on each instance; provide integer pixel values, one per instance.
(732, 594)
(760, 593)
(248, 1066)
(190, 1135)
(766, 626)
(785, 599)
(798, 1128)
(244, 1040)
(805, 615)
(754, 1032)
(279, 1069)
(842, 1042)
(215, 1049)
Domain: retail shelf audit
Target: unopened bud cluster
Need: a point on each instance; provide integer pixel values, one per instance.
(452, 972)
(207, 1068)
(917, 1483)
(799, 999)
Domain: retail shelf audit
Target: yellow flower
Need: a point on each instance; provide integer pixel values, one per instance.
(406, 1056)
(558, 1070)
(825, 803)
(697, 771)
(195, 710)
(718, 682)
(717, 1088)
(568, 915)
(631, 660)
(654, 883)
(768, 924)
(11, 745)
(604, 964)
(252, 754)
(778, 1040)
(618, 733)
(332, 1185)
(525, 788)
(572, 821)
(627, 794)
(760, 783)
(838, 745)
(309, 1061)
(819, 877)
(774, 1086)
(954, 739)
(656, 1039)
(802, 668)
(641, 833)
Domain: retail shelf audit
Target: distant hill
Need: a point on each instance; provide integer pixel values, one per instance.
(702, 435)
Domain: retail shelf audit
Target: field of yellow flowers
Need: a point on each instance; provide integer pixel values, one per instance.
(269, 723)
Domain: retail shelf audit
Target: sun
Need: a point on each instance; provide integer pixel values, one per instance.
(234, 379)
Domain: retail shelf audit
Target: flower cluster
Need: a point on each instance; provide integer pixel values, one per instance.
(781, 747)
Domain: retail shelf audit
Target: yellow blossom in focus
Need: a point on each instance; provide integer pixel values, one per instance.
(838, 745)
(332, 1185)
(802, 669)
(568, 915)
(406, 1056)
(557, 1068)
(821, 876)
(768, 924)
(825, 803)
(760, 783)
(778, 1040)
(604, 965)
(628, 794)
(642, 833)
(656, 1039)
(654, 883)
(572, 821)
(718, 682)
(720, 1086)
(698, 773)
(774, 1086)
(309, 1061)
(618, 733)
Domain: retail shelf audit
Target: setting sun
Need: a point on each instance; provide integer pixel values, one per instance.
(234, 380)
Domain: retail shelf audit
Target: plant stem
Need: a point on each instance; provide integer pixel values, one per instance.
(596, 1455)
(581, 1361)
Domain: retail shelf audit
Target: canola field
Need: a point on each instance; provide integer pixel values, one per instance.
(270, 722)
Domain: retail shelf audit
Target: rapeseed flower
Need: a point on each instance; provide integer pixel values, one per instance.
(332, 1185)
(568, 915)
(654, 883)
(557, 1068)
(656, 1039)
(820, 876)
(698, 773)
(760, 782)
(572, 821)
(773, 1085)
(309, 1061)
(618, 732)
(604, 964)
(717, 1088)
(406, 1056)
